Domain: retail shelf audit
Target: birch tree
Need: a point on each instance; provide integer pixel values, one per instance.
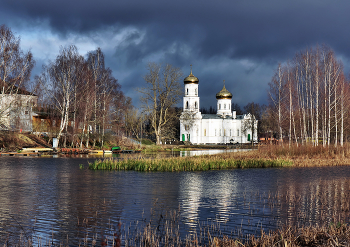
(317, 97)
(60, 78)
(277, 95)
(96, 65)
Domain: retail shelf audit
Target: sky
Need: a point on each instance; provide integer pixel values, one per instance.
(239, 41)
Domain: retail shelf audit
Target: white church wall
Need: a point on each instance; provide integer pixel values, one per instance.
(224, 107)
(191, 99)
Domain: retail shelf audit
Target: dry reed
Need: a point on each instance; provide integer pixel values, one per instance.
(198, 163)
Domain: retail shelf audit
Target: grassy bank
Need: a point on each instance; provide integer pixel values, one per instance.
(184, 164)
(266, 156)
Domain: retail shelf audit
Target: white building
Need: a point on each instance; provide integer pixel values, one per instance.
(220, 128)
(16, 110)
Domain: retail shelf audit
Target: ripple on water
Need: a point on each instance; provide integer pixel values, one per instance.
(52, 198)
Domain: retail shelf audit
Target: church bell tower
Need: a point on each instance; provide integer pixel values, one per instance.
(191, 116)
(191, 99)
(224, 98)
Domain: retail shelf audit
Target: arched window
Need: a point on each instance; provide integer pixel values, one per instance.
(229, 107)
(195, 105)
(187, 91)
(219, 106)
(195, 91)
(186, 104)
(205, 132)
(225, 106)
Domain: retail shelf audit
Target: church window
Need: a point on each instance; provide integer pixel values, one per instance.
(237, 132)
(186, 104)
(224, 132)
(229, 107)
(230, 133)
(205, 132)
(219, 106)
(224, 106)
(215, 132)
(195, 105)
(197, 132)
(220, 132)
(187, 91)
(195, 91)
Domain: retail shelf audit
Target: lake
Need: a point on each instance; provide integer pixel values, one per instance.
(52, 200)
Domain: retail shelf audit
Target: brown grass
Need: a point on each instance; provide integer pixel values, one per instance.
(308, 155)
(334, 235)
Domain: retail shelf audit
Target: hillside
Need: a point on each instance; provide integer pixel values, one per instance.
(10, 141)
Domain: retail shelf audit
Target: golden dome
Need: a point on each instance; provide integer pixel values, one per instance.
(224, 94)
(191, 79)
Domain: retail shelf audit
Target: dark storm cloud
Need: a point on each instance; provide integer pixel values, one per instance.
(238, 28)
(242, 39)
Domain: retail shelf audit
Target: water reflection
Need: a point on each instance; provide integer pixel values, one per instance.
(191, 188)
(207, 152)
(150, 154)
(47, 198)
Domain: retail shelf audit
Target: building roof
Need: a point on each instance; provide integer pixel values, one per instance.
(215, 116)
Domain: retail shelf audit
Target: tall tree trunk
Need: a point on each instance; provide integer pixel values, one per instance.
(317, 97)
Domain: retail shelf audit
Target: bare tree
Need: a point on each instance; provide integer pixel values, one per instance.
(278, 95)
(108, 89)
(96, 65)
(15, 70)
(161, 93)
(120, 106)
(134, 122)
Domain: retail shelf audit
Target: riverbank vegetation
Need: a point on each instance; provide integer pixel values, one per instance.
(168, 235)
(165, 231)
(264, 156)
(202, 163)
(307, 155)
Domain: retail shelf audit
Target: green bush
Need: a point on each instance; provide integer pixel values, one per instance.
(147, 142)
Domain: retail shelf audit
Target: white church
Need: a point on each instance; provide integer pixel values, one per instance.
(221, 128)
